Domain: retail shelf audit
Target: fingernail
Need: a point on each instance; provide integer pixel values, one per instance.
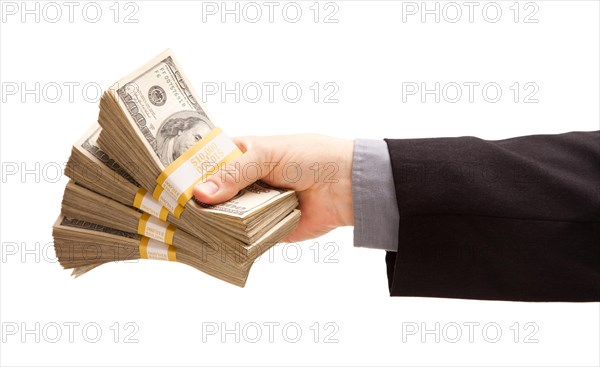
(208, 188)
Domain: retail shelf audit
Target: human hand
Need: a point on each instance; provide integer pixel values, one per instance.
(317, 167)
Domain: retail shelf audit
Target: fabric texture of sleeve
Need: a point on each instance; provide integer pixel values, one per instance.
(515, 219)
(374, 196)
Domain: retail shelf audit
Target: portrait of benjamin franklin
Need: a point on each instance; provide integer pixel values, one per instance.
(178, 133)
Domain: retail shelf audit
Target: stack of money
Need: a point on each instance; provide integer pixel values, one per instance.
(132, 176)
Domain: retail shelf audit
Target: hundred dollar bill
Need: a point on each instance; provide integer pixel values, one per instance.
(83, 245)
(162, 112)
(90, 145)
(244, 202)
(94, 169)
(99, 166)
(87, 226)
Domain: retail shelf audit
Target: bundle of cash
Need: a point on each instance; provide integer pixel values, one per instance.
(132, 177)
(82, 246)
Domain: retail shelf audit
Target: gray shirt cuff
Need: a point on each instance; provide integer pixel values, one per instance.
(376, 215)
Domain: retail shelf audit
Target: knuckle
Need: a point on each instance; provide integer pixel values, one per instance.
(230, 174)
(258, 152)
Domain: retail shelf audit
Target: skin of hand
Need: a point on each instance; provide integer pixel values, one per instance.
(317, 167)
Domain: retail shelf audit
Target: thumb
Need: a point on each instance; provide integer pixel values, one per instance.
(230, 179)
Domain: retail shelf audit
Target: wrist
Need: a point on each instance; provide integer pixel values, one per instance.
(342, 183)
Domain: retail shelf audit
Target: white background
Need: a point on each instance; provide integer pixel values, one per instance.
(369, 53)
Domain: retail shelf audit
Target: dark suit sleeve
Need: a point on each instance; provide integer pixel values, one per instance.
(515, 219)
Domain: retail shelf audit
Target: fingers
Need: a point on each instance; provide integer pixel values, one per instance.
(229, 180)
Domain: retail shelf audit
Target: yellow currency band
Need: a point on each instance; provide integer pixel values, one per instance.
(171, 250)
(169, 232)
(178, 209)
(187, 155)
(137, 202)
(139, 195)
(187, 194)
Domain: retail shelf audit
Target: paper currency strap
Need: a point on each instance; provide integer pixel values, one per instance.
(145, 202)
(170, 203)
(196, 164)
(154, 250)
(154, 228)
